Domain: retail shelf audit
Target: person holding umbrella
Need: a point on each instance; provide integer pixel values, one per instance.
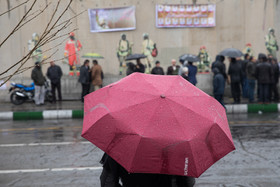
(139, 67)
(151, 135)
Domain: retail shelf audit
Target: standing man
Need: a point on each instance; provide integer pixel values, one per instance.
(157, 70)
(271, 43)
(123, 50)
(173, 69)
(84, 79)
(192, 73)
(96, 77)
(218, 86)
(235, 79)
(147, 48)
(54, 73)
(264, 75)
(72, 48)
(39, 81)
(251, 71)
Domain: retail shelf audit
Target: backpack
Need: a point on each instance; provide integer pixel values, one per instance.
(155, 51)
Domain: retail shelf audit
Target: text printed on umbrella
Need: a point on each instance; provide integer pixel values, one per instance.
(186, 166)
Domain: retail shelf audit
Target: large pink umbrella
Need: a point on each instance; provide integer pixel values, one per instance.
(157, 124)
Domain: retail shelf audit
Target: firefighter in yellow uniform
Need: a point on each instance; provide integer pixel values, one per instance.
(204, 64)
(123, 50)
(271, 42)
(147, 48)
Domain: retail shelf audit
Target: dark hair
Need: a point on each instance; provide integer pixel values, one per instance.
(246, 56)
(251, 58)
(86, 61)
(157, 62)
(95, 61)
(262, 57)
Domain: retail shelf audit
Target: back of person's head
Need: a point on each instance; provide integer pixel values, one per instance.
(157, 62)
(262, 57)
(95, 62)
(220, 58)
(246, 56)
(232, 59)
(190, 63)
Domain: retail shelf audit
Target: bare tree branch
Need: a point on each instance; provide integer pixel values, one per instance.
(13, 31)
(14, 8)
(40, 12)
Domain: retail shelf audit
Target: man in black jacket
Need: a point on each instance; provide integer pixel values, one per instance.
(84, 79)
(54, 73)
(157, 70)
(264, 75)
(39, 81)
(235, 75)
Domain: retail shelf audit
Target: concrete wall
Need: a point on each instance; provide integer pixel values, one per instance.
(238, 22)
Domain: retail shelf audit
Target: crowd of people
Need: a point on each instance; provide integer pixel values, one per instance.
(254, 79)
(91, 79)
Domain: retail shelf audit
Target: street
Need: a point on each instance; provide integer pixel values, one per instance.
(52, 153)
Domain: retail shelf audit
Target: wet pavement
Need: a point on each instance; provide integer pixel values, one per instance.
(52, 153)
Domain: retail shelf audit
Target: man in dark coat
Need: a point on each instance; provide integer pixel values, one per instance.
(39, 81)
(192, 73)
(84, 79)
(173, 69)
(157, 70)
(235, 75)
(218, 86)
(251, 77)
(264, 75)
(54, 73)
(219, 63)
(139, 66)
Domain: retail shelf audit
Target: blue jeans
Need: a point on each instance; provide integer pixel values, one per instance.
(251, 89)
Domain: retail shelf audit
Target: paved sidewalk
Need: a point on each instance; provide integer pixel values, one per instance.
(74, 109)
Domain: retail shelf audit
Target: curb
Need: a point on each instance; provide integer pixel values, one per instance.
(77, 114)
(47, 114)
(252, 108)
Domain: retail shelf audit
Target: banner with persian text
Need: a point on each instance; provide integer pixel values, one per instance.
(186, 15)
(112, 19)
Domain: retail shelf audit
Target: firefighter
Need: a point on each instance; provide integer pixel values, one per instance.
(123, 50)
(37, 53)
(204, 63)
(271, 43)
(147, 48)
(248, 49)
(72, 48)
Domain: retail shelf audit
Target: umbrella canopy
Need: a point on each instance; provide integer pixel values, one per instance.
(92, 55)
(157, 124)
(135, 57)
(231, 52)
(189, 58)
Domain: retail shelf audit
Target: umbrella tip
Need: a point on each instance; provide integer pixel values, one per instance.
(162, 96)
